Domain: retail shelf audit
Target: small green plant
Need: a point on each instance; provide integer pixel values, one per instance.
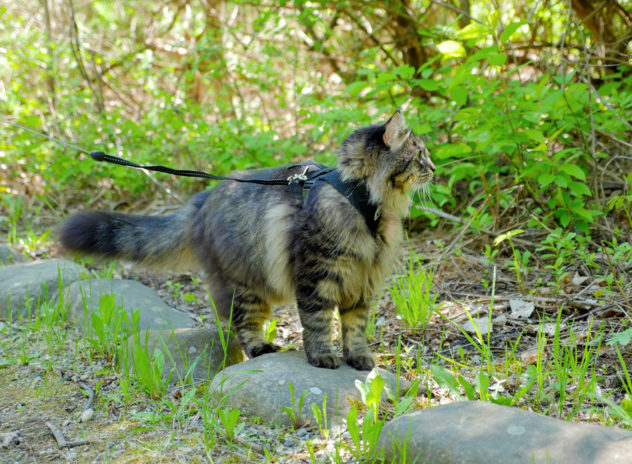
(145, 368)
(320, 415)
(412, 294)
(297, 408)
(15, 209)
(371, 391)
(623, 202)
(561, 250)
(229, 417)
(520, 259)
(489, 256)
(364, 437)
(107, 326)
(270, 330)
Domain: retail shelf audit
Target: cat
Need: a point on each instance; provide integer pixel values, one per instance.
(263, 245)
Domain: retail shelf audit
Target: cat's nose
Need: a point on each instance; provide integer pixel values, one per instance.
(430, 165)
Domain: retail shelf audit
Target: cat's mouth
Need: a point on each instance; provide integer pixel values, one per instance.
(426, 177)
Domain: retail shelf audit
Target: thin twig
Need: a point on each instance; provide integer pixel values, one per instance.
(61, 440)
(90, 399)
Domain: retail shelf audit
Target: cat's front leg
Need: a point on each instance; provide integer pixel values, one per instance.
(316, 317)
(356, 350)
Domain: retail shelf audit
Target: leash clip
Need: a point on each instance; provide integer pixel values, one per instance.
(296, 178)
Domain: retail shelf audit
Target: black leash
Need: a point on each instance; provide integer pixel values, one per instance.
(100, 156)
(356, 192)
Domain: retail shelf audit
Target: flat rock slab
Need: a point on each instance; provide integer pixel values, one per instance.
(475, 432)
(259, 387)
(84, 297)
(24, 286)
(195, 353)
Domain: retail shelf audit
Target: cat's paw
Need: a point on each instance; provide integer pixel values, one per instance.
(326, 360)
(362, 361)
(262, 348)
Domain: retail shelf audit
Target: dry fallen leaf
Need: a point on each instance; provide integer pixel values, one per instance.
(482, 323)
(521, 309)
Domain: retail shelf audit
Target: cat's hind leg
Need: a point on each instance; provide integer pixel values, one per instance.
(247, 313)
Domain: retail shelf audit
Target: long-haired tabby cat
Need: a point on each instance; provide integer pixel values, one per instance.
(264, 245)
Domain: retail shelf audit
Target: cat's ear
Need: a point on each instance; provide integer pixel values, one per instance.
(395, 132)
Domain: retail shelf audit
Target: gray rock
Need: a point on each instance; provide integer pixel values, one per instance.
(84, 297)
(8, 255)
(24, 286)
(476, 432)
(260, 387)
(198, 349)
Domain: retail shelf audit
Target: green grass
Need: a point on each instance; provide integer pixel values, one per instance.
(412, 293)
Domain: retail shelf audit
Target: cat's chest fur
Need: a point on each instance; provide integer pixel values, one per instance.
(334, 245)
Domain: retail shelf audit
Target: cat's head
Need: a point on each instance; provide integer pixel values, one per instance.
(388, 156)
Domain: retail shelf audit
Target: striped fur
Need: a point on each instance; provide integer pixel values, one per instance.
(261, 246)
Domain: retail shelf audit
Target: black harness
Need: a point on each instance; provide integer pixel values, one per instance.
(355, 191)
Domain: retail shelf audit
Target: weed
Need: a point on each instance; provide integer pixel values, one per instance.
(270, 330)
(364, 445)
(320, 415)
(371, 391)
(229, 418)
(107, 326)
(146, 368)
(15, 208)
(297, 408)
(520, 259)
(412, 294)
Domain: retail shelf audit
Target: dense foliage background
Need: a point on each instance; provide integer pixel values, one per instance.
(525, 107)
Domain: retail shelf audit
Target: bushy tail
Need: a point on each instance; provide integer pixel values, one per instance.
(154, 241)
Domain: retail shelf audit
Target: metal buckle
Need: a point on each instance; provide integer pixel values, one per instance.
(298, 177)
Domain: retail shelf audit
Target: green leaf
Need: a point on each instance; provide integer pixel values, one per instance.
(355, 88)
(561, 180)
(498, 60)
(535, 134)
(579, 189)
(405, 71)
(427, 84)
(545, 179)
(352, 426)
(574, 170)
(473, 31)
(565, 218)
(451, 150)
(459, 94)
(385, 77)
(470, 392)
(509, 30)
(443, 377)
(623, 338)
(451, 49)
(507, 235)
(484, 53)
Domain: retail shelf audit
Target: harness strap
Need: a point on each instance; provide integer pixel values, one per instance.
(357, 194)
